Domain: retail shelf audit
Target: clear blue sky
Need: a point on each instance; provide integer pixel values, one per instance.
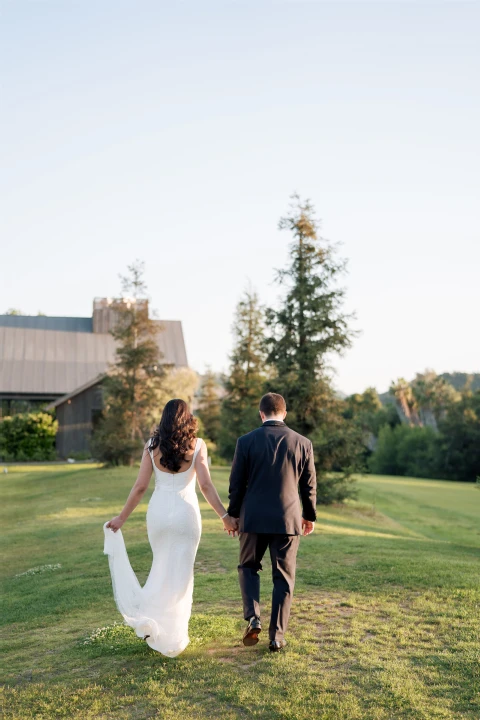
(175, 132)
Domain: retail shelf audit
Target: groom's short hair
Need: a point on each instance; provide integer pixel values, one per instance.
(272, 404)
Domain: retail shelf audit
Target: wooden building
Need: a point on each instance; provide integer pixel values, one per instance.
(58, 362)
(77, 414)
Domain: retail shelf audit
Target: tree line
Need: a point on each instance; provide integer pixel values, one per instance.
(282, 349)
(429, 428)
(436, 431)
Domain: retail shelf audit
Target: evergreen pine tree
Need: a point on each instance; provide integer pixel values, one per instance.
(209, 405)
(135, 380)
(246, 381)
(305, 332)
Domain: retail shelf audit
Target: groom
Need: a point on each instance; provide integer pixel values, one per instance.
(271, 465)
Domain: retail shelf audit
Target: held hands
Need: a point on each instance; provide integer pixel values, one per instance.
(230, 525)
(307, 526)
(115, 523)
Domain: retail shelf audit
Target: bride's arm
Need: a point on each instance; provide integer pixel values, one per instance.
(136, 493)
(209, 490)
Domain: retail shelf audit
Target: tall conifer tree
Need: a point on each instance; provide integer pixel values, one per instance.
(209, 405)
(308, 329)
(246, 381)
(136, 378)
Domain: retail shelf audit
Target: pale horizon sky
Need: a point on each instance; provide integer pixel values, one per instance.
(176, 132)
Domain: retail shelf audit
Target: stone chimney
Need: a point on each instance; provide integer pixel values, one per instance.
(105, 316)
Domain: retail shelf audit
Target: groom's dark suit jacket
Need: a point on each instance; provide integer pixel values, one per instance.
(272, 464)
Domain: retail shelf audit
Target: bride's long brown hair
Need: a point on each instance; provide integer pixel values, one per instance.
(175, 434)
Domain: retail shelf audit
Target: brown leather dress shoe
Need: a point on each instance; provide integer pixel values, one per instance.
(250, 636)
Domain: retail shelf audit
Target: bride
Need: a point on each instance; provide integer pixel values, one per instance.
(160, 610)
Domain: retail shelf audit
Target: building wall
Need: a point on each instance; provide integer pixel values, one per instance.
(75, 421)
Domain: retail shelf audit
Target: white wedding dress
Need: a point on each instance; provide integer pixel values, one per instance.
(162, 607)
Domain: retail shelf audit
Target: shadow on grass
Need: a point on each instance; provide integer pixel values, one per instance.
(120, 639)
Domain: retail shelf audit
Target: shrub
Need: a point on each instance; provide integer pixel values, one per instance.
(80, 455)
(338, 451)
(28, 437)
(405, 450)
(459, 442)
(335, 488)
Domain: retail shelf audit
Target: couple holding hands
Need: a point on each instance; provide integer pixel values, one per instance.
(272, 500)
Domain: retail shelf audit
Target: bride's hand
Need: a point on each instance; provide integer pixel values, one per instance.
(230, 525)
(115, 523)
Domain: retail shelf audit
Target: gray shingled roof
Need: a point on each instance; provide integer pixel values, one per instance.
(56, 362)
(45, 322)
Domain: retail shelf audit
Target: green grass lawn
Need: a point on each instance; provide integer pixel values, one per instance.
(385, 621)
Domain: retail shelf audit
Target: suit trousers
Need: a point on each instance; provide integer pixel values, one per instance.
(283, 554)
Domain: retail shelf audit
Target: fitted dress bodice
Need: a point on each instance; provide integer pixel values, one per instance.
(174, 482)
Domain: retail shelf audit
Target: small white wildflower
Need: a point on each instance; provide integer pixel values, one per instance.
(39, 570)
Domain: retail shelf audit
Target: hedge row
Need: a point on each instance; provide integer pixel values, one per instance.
(28, 437)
